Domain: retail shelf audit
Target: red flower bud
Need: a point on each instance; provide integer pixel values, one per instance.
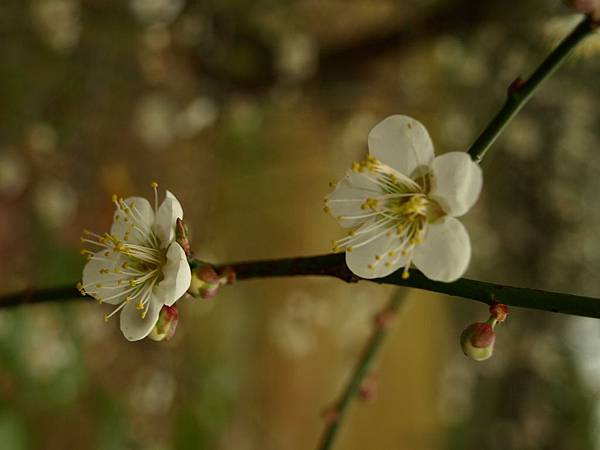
(477, 341)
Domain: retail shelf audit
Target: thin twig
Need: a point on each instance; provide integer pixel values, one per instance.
(520, 91)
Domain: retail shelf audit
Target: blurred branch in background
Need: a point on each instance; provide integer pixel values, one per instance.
(356, 384)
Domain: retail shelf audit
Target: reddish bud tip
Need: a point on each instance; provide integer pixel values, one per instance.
(477, 341)
(331, 415)
(384, 318)
(515, 86)
(369, 388)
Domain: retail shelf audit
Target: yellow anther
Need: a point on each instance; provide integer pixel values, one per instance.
(103, 271)
(352, 233)
(154, 185)
(405, 274)
(349, 249)
(132, 283)
(100, 301)
(356, 167)
(336, 249)
(106, 317)
(139, 306)
(98, 285)
(388, 264)
(107, 253)
(370, 266)
(332, 184)
(326, 209)
(372, 159)
(114, 198)
(125, 265)
(377, 257)
(391, 254)
(82, 239)
(144, 315)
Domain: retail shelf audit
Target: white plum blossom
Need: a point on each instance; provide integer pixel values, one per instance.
(138, 266)
(402, 202)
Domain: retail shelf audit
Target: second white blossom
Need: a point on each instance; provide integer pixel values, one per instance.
(402, 202)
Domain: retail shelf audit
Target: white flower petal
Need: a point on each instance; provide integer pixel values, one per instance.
(143, 215)
(456, 182)
(177, 276)
(133, 326)
(348, 196)
(168, 212)
(103, 286)
(446, 251)
(401, 142)
(361, 258)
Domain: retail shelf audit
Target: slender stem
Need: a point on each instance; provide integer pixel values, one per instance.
(362, 369)
(520, 92)
(334, 265)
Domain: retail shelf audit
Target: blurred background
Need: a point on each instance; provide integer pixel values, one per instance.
(246, 110)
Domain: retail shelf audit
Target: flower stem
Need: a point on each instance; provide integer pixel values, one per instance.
(362, 368)
(520, 92)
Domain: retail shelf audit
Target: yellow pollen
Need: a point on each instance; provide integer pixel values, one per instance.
(139, 306)
(405, 274)
(349, 249)
(388, 264)
(370, 266)
(80, 288)
(356, 167)
(106, 317)
(154, 185)
(98, 285)
(352, 233)
(326, 209)
(114, 198)
(332, 184)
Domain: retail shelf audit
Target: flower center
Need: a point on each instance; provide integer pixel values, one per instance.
(396, 220)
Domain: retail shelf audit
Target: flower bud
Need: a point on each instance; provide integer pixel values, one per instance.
(205, 282)
(477, 341)
(165, 328)
(181, 236)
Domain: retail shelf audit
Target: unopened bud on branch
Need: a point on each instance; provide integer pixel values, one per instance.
(206, 281)
(477, 341)
(165, 328)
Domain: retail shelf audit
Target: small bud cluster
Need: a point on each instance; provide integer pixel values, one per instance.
(478, 339)
(206, 281)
